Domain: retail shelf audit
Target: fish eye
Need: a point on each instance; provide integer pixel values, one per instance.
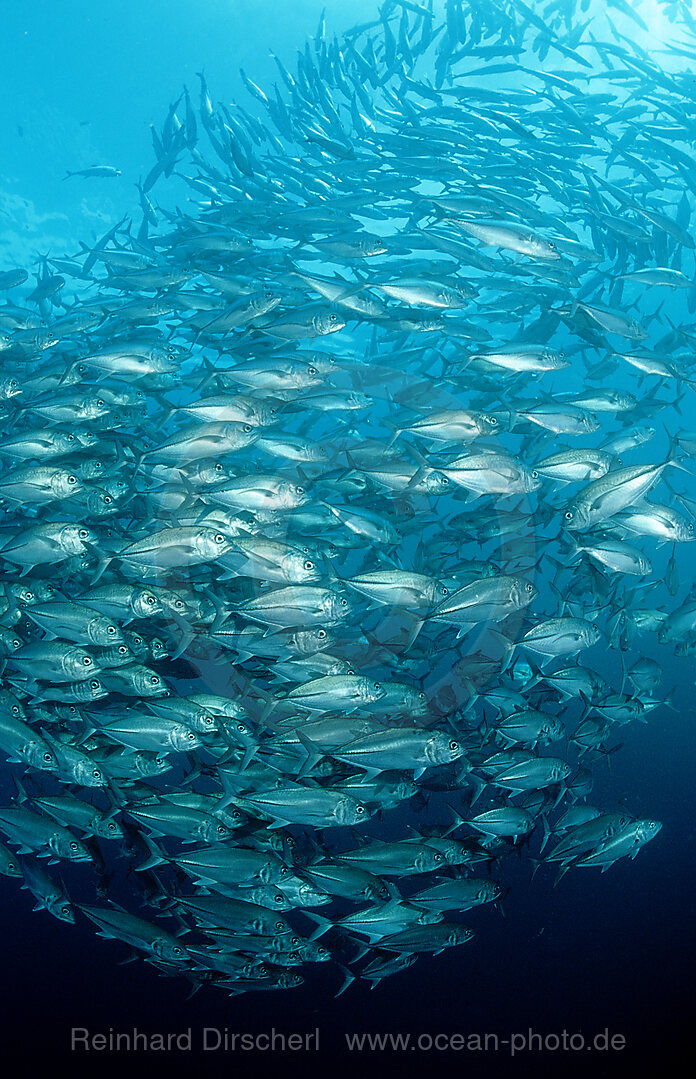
(568, 515)
(321, 634)
(308, 564)
(122, 650)
(280, 926)
(218, 466)
(492, 420)
(535, 474)
(100, 402)
(529, 587)
(108, 500)
(96, 773)
(279, 897)
(312, 370)
(438, 857)
(333, 317)
(295, 941)
(219, 538)
(73, 846)
(111, 629)
(47, 757)
(445, 590)
(247, 428)
(87, 661)
(83, 533)
(454, 745)
(150, 600)
(72, 479)
(344, 601)
(154, 679)
(70, 438)
(94, 684)
(360, 810)
(299, 490)
(595, 627)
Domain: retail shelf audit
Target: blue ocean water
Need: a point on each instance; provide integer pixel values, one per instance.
(612, 951)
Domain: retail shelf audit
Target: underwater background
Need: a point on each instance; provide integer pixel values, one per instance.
(80, 86)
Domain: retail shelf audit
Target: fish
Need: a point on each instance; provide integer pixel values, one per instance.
(341, 497)
(101, 171)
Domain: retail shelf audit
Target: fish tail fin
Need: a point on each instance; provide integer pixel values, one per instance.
(268, 710)
(669, 700)
(102, 564)
(456, 823)
(396, 433)
(68, 370)
(537, 675)
(21, 795)
(536, 862)
(348, 979)
(561, 874)
(157, 856)
(546, 830)
(479, 787)
(187, 636)
(672, 453)
(609, 754)
(323, 924)
(314, 755)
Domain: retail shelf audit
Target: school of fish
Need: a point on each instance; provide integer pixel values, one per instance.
(342, 498)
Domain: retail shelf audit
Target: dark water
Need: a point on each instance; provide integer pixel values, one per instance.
(599, 952)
